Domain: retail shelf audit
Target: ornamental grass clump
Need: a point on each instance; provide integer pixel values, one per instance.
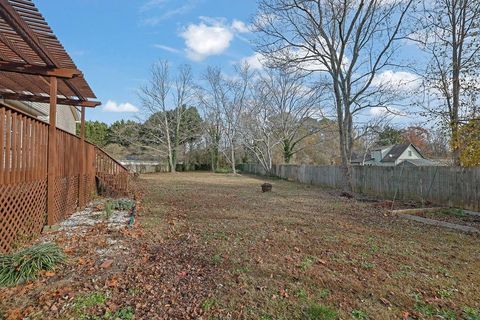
(24, 265)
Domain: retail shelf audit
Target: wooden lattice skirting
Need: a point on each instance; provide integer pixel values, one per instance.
(23, 210)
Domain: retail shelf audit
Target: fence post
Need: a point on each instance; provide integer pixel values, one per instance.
(81, 176)
(52, 150)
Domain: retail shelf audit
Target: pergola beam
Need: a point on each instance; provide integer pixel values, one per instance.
(52, 152)
(16, 22)
(46, 99)
(22, 29)
(39, 70)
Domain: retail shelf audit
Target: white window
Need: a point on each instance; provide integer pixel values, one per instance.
(409, 153)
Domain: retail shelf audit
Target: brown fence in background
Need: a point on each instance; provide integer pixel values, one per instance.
(444, 186)
(80, 166)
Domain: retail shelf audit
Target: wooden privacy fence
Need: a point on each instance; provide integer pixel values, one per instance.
(24, 177)
(445, 186)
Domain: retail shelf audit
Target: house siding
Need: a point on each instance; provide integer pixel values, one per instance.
(406, 156)
(67, 116)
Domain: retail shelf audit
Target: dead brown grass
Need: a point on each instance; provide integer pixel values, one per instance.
(277, 253)
(211, 246)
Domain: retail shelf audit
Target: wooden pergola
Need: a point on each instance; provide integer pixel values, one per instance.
(35, 67)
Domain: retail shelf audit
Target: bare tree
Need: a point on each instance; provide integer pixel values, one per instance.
(211, 100)
(450, 34)
(164, 104)
(347, 41)
(183, 94)
(227, 98)
(292, 101)
(257, 128)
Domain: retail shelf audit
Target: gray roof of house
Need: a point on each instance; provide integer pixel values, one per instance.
(359, 158)
(395, 152)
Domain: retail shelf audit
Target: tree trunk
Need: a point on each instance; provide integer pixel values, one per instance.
(169, 147)
(287, 151)
(232, 155)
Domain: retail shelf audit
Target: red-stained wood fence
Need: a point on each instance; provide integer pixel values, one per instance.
(80, 168)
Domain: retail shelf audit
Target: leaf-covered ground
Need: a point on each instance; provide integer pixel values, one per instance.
(213, 246)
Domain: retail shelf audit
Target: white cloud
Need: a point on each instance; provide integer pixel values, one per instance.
(240, 26)
(397, 79)
(112, 106)
(210, 37)
(256, 61)
(167, 48)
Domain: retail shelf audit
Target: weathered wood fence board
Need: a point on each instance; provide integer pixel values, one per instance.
(446, 186)
(23, 175)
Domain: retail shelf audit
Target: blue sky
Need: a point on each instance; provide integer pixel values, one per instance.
(114, 42)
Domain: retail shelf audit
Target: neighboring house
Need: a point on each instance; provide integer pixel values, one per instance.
(67, 116)
(399, 154)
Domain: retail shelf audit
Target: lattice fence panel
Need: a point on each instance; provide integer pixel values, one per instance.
(23, 210)
(114, 179)
(66, 197)
(23, 175)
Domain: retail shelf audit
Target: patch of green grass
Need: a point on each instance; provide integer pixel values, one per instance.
(25, 264)
(367, 265)
(301, 294)
(208, 304)
(454, 212)
(84, 302)
(319, 312)
(324, 293)
(359, 314)
(430, 310)
(265, 317)
(307, 263)
(471, 313)
(123, 314)
(445, 293)
(217, 259)
(243, 270)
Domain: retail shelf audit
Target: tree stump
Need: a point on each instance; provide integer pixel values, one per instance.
(266, 187)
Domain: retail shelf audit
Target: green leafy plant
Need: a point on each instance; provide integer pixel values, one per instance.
(123, 204)
(108, 209)
(25, 264)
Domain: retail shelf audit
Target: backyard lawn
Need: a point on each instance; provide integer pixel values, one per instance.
(213, 246)
(301, 252)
